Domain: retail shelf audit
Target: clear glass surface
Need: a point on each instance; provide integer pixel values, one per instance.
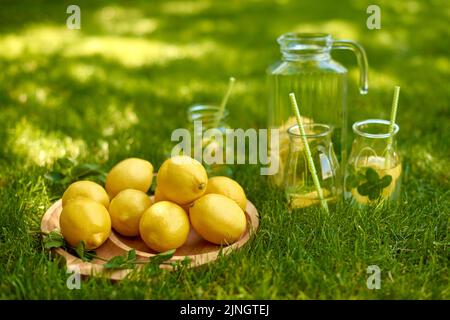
(320, 85)
(210, 118)
(373, 172)
(298, 182)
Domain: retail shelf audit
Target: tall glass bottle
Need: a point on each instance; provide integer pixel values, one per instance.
(320, 84)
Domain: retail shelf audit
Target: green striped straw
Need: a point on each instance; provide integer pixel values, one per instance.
(311, 166)
(224, 101)
(392, 122)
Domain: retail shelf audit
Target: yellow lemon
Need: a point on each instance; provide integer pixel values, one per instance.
(83, 219)
(182, 179)
(164, 226)
(126, 210)
(159, 196)
(229, 188)
(86, 189)
(131, 173)
(217, 219)
(304, 200)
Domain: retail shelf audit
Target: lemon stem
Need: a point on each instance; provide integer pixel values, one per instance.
(311, 166)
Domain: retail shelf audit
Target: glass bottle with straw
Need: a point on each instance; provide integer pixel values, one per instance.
(312, 171)
(202, 118)
(373, 172)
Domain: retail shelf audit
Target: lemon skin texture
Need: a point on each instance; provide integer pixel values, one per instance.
(83, 219)
(131, 173)
(218, 219)
(164, 226)
(87, 189)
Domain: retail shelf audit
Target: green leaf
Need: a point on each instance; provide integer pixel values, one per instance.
(166, 255)
(64, 163)
(132, 255)
(53, 244)
(85, 169)
(80, 249)
(115, 263)
(364, 189)
(374, 185)
(53, 240)
(121, 262)
(372, 175)
(385, 181)
(353, 179)
(55, 177)
(102, 177)
(161, 257)
(374, 194)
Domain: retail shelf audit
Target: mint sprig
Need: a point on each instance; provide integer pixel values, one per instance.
(374, 185)
(129, 261)
(66, 171)
(83, 253)
(122, 262)
(54, 239)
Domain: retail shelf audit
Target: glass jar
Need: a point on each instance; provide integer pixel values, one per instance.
(202, 118)
(298, 182)
(320, 84)
(373, 172)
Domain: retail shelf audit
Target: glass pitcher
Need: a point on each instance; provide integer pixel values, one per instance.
(320, 84)
(373, 172)
(298, 182)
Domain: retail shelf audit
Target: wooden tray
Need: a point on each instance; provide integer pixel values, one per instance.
(197, 249)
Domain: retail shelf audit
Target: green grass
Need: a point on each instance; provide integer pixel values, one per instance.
(120, 85)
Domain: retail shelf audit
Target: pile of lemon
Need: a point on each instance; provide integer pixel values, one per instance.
(184, 197)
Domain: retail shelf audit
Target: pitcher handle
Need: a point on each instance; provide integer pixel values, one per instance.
(360, 57)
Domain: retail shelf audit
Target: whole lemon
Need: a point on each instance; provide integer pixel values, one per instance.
(86, 189)
(126, 210)
(218, 219)
(83, 219)
(164, 226)
(182, 179)
(131, 173)
(229, 188)
(159, 196)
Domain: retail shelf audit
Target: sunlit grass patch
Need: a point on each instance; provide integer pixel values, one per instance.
(134, 52)
(128, 51)
(118, 87)
(83, 72)
(38, 39)
(125, 20)
(185, 7)
(429, 161)
(117, 119)
(41, 148)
